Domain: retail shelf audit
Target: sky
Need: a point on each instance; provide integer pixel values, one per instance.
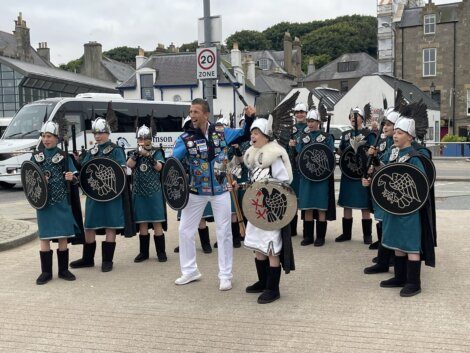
(67, 25)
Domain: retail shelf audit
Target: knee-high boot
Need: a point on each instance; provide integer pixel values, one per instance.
(399, 279)
(107, 253)
(160, 247)
(272, 286)
(144, 244)
(321, 233)
(236, 235)
(46, 267)
(309, 227)
(205, 240)
(383, 261)
(375, 245)
(367, 231)
(88, 256)
(413, 279)
(63, 262)
(347, 229)
(262, 267)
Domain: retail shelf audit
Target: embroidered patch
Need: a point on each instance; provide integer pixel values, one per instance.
(190, 144)
(143, 167)
(57, 158)
(306, 139)
(320, 138)
(39, 157)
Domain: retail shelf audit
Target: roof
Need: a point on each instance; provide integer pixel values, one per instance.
(330, 96)
(118, 69)
(413, 17)
(8, 48)
(28, 69)
(273, 84)
(367, 65)
(177, 69)
(410, 92)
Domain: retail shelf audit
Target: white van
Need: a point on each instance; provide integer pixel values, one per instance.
(22, 135)
(4, 122)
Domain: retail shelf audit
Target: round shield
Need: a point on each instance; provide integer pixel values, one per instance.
(400, 188)
(316, 162)
(34, 184)
(102, 179)
(269, 204)
(175, 184)
(430, 169)
(352, 164)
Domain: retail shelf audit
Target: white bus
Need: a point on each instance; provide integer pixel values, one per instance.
(22, 135)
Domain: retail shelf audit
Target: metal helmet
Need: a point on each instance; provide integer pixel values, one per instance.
(144, 132)
(407, 125)
(391, 115)
(100, 125)
(359, 111)
(300, 107)
(50, 127)
(264, 125)
(313, 115)
(225, 121)
(186, 122)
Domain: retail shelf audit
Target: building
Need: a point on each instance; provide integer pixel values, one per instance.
(97, 65)
(431, 45)
(172, 77)
(27, 74)
(342, 73)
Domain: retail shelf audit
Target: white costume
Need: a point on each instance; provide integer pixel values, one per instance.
(269, 161)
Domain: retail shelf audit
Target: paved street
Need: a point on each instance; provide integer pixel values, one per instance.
(327, 304)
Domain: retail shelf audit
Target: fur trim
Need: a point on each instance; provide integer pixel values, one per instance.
(265, 156)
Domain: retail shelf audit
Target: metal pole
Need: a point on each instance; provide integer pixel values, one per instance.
(208, 84)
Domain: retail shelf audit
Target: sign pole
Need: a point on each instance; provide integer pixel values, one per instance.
(208, 84)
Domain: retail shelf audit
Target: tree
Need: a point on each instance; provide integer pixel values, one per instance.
(248, 40)
(122, 54)
(73, 65)
(189, 47)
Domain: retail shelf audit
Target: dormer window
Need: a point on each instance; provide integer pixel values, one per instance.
(263, 64)
(347, 66)
(430, 24)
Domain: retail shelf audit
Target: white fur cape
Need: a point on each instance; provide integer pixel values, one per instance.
(265, 156)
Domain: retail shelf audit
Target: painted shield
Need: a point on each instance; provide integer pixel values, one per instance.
(175, 184)
(352, 164)
(102, 179)
(269, 204)
(34, 184)
(316, 162)
(400, 188)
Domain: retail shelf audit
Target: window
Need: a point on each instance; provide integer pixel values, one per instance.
(344, 86)
(146, 87)
(468, 102)
(263, 64)
(347, 66)
(429, 62)
(430, 24)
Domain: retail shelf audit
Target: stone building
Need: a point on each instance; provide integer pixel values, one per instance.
(431, 46)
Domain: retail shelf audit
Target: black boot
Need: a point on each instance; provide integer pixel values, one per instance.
(272, 286)
(205, 240)
(63, 261)
(46, 267)
(321, 233)
(293, 226)
(236, 235)
(399, 279)
(107, 253)
(383, 261)
(367, 231)
(413, 279)
(88, 257)
(160, 246)
(262, 267)
(347, 229)
(308, 233)
(144, 240)
(375, 245)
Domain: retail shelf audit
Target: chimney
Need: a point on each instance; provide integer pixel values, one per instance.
(160, 48)
(140, 58)
(311, 66)
(297, 48)
(288, 53)
(171, 48)
(44, 52)
(235, 56)
(92, 59)
(250, 70)
(23, 44)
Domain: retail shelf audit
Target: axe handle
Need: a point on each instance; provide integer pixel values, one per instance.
(376, 144)
(237, 206)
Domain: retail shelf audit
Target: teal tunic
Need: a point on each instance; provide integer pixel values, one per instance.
(403, 232)
(147, 194)
(384, 147)
(314, 195)
(299, 128)
(56, 219)
(110, 214)
(351, 192)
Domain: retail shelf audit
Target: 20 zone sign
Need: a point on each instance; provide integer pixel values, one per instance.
(206, 63)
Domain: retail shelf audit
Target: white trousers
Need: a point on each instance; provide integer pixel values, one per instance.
(190, 218)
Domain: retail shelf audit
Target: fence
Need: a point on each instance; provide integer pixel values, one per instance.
(449, 149)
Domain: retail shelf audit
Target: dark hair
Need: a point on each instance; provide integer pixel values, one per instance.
(203, 103)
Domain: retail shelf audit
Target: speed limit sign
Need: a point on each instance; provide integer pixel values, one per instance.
(206, 63)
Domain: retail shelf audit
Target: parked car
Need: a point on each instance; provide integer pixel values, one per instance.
(336, 131)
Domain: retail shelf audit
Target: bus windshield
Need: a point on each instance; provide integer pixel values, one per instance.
(28, 121)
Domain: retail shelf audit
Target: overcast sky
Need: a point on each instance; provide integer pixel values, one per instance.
(67, 25)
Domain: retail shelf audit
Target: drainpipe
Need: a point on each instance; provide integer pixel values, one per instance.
(453, 80)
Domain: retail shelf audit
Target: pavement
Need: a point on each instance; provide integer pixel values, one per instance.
(326, 305)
